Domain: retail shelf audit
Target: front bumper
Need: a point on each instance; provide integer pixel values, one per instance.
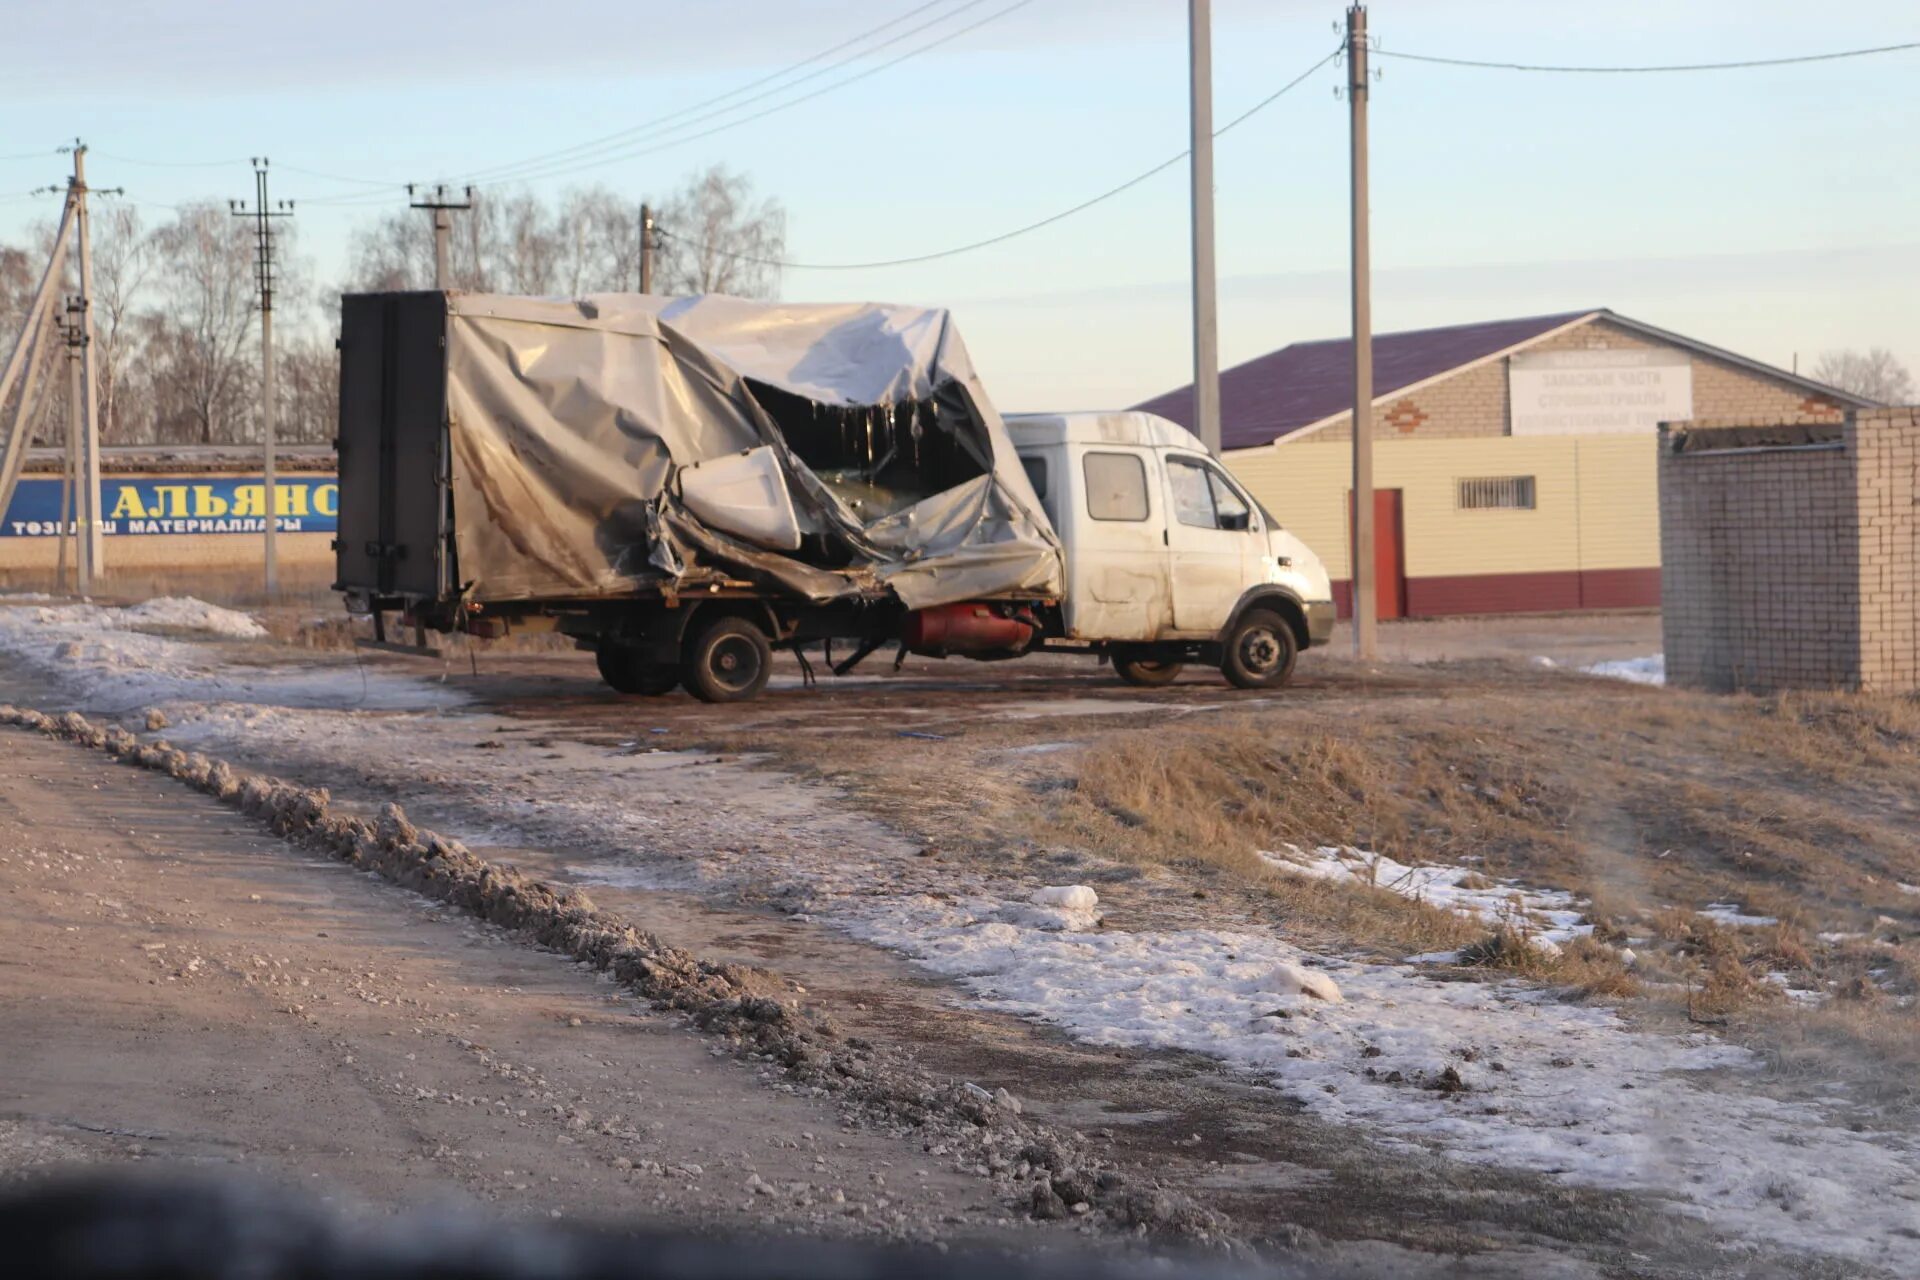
(1319, 622)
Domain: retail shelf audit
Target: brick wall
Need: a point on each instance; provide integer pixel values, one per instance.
(1474, 402)
(1791, 565)
(1887, 484)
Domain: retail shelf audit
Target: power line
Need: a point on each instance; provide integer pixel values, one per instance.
(341, 177)
(170, 164)
(1048, 221)
(949, 37)
(560, 167)
(30, 155)
(1741, 65)
(649, 125)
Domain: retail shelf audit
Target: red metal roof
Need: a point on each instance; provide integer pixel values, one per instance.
(1272, 395)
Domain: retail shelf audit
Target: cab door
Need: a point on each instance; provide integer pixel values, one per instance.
(1110, 511)
(1213, 541)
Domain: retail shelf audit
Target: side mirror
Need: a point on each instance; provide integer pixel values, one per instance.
(1237, 521)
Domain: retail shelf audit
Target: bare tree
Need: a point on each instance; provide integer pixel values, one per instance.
(309, 385)
(200, 338)
(601, 251)
(124, 263)
(1875, 374)
(714, 238)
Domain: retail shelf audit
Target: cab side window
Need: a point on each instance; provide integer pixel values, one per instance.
(1203, 499)
(1230, 512)
(1192, 496)
(1116, 486)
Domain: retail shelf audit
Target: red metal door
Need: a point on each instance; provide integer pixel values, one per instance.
(1389, 554)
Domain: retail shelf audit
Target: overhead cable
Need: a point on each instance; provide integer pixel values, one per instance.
(777, 107)
(1656, 69)
(647, 126)
(1047, 221)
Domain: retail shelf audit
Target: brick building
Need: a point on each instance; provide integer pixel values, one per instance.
(1514, 461)
(1792, 553)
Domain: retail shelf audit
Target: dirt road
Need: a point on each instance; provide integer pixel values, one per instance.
(178, 986)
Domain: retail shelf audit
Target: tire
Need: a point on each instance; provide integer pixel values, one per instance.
(621, 667)
(727, 660)
(1260, 651)
(1139, 668)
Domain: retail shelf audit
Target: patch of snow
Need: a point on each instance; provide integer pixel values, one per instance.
(1548, 917)
(1907, 888)
(1574, 1093)
(1544, 662)
(1793, 993)
(1730, 914)
(102, 657)
(1648, 670)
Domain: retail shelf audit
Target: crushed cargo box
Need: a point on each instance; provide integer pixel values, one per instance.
(590, 447)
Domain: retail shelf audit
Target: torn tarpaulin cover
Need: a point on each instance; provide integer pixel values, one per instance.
(570, 421)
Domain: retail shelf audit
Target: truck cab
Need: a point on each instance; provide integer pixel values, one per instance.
(1169, 559)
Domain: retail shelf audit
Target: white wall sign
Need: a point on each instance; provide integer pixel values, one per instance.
(1598, 392)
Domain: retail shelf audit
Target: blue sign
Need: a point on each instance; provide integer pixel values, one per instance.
(182, 504)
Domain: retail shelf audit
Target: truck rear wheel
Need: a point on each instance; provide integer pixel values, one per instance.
(1260, 651)
(727, 660)
(621, 667)
(1141, 669)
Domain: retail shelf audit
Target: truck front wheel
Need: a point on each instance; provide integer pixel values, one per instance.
(727, 660)
(621, 667)
(1260, 651)
(1141, 669)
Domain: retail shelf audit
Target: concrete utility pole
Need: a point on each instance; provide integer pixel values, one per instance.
(263, 214)
(646, 248)
(1365, 601)
(443, 207)
(1206, 314)
(73, 335)
(92, 533)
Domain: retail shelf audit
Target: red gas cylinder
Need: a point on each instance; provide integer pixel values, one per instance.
(968, 628)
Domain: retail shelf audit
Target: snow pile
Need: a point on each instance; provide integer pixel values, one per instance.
(1549, 918)
(106, 658)
(184, 613)
(1070, 907)
(1648, 670)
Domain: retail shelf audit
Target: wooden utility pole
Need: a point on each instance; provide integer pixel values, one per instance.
(443, 207)
(1365, 600)
(646, 248)
(263, 213)
(1206, 313)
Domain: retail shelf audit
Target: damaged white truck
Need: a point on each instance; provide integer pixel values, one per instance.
(684, 485)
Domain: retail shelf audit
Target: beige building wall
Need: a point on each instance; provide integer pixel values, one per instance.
(1474, 401)
(1594, 503)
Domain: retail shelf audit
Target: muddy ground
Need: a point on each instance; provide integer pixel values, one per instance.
(399, 1008)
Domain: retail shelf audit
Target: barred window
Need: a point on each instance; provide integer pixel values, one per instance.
(1496, 493)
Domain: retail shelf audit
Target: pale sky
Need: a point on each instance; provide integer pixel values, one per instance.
(1770, 211)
